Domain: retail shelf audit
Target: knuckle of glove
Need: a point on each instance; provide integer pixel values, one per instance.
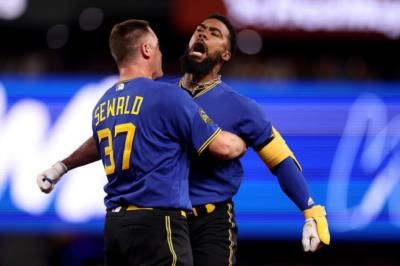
(47, 179)
(310, 238)
(306, 245)
(314, 244)
(44, 185)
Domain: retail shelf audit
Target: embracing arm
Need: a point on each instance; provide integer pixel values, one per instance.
(85, 154)
(227, 146)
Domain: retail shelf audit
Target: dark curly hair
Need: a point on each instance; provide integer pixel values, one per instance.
(231, 29)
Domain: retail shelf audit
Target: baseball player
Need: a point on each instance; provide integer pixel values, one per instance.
(143, 130)
(213, 182)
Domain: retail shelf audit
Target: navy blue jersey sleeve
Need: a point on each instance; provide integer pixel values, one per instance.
(293, 183)
(254, 128)
(188, 122)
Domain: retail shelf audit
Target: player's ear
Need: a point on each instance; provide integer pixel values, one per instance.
(145, 49)
(226, 55)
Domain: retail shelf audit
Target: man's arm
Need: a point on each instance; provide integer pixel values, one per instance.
(282, 163)
(85, 154)
(227, 146)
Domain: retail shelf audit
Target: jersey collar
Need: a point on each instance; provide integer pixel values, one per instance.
(200, 89)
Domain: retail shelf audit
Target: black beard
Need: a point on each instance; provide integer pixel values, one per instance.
(201, 69)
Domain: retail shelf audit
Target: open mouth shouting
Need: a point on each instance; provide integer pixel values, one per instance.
(198, 50)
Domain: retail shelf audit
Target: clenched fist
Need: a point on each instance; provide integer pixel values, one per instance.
(47, 179)
(315, 229)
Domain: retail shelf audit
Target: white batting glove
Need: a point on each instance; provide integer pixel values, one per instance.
(315, 229)
(310, 240)
(47, 179)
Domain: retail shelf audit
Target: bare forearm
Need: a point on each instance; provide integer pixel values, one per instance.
(236, 146)
(227, 146)
(85, 154)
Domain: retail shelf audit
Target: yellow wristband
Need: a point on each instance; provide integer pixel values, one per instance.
(314, 211)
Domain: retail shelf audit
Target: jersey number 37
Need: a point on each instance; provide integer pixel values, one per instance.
(129, 130)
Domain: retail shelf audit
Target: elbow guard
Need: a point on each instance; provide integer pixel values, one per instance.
(276, 151)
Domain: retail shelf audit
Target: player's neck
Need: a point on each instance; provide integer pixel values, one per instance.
(191, 81)
(134, 71)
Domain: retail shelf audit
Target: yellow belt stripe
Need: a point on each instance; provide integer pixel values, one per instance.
(169, 240)
(230, 234)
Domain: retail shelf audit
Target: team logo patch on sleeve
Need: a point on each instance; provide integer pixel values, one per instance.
(205, 117)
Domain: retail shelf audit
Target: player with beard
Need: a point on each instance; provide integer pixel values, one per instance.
(213, 182)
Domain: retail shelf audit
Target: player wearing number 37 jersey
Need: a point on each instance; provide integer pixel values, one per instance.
(150, 122)
(144, 131)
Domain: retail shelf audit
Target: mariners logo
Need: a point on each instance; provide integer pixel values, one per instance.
(205, 117)
(120, 87)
